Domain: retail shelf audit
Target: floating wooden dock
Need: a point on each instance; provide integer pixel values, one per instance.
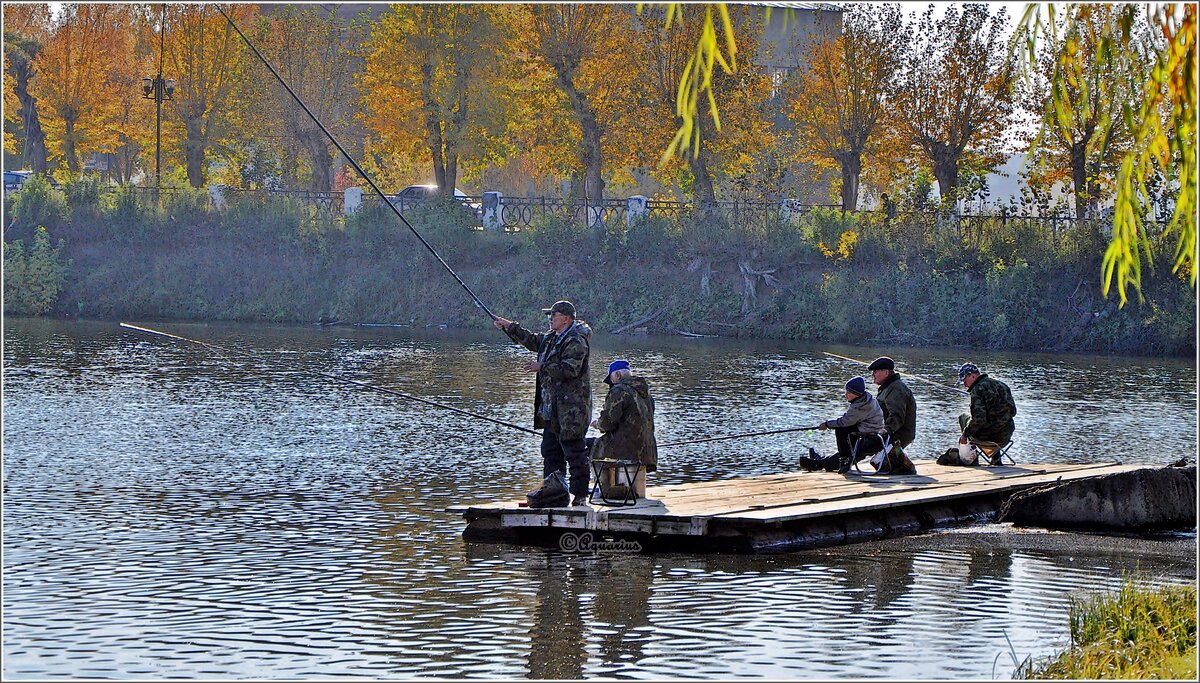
(786, 511)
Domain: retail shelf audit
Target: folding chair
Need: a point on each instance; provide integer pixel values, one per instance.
(886, 440)
(992, 453)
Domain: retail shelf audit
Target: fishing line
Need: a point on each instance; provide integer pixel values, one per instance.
(737, 436)
(354, 163)
(336, 378)
(919, 379)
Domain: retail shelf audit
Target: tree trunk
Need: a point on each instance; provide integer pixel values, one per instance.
(193, 150)
(851, 165)
(945, 169)
(703, 193)
(288, 167)
(455, 130)
(34, 148)
(68, 147)
(433, 125)
(1079, 178)
(592, 155)
(320, 159)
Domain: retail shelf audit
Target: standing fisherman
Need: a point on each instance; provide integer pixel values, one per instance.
(562, 402)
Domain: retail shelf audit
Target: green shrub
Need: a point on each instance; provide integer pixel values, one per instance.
(83, 195)
(556, 237)
(123, 205)
(33, 276)
(826, 225)
(37, 203)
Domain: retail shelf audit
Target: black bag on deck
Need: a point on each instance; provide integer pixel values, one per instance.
(553, 493)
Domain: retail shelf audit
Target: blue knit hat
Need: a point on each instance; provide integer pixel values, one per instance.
(857, 386)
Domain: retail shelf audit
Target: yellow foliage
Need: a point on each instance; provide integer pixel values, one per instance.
(846, 244)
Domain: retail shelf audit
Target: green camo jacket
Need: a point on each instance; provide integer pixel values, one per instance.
(992, 411)
(627, 421)
(562, 401)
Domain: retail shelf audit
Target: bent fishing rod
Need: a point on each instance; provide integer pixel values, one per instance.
(336, 378)
(919, 379)
(354, 163)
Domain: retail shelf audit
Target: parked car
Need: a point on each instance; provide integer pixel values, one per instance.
(419, 194)
(13, 180)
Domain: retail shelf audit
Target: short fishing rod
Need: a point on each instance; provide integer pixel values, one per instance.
(919, 379)
(364, 385)
(737, 436)
(354, 163)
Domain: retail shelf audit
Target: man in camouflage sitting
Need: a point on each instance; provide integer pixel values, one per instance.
(627, 423)
(989, 426)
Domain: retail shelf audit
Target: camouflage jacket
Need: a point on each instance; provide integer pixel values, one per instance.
(627, 421)
(562, 401)
(899, 409)
(863, 415)
(992, 410)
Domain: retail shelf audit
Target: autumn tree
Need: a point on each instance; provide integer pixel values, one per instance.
(426, 83)
(582, 44)
(956, 94)
(210, 63)
(73, 80)
(843, 96)
(314, 52)
(25, 30)
(1078, 90)
(659, 58)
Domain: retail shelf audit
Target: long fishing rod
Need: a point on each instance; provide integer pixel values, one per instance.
(737, 436)
(354, 163)
(336, 378)
(919, 379)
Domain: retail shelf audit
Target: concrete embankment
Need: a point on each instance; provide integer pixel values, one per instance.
(1141, 500)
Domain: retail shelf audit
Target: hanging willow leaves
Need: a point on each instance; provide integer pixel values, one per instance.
(713, 49)
(1163, 128)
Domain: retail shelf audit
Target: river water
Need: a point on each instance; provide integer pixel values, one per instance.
(172, 512)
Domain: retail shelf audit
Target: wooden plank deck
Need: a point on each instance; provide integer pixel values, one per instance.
(780, 511)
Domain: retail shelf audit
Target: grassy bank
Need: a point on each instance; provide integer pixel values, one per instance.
(1139, 633)
(826, 277)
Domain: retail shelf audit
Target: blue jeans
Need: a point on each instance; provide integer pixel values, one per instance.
(557, 454)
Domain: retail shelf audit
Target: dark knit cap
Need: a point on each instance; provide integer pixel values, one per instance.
(857, 386)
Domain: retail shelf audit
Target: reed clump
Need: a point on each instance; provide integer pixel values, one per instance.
(1141, 632)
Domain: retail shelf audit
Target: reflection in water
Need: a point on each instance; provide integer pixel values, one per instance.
(556, 640)
(172, 513)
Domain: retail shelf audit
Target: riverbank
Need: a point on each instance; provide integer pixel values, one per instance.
(1139, 632)
(825, 278)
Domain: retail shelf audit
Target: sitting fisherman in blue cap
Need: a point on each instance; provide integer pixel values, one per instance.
(627, 421)
(857, 432)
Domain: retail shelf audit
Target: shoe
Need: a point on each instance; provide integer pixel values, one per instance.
(578, 501)
(843, 466)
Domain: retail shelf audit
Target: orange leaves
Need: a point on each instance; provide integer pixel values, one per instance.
(73, 82)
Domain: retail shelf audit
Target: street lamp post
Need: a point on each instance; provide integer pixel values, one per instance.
(159, 89)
